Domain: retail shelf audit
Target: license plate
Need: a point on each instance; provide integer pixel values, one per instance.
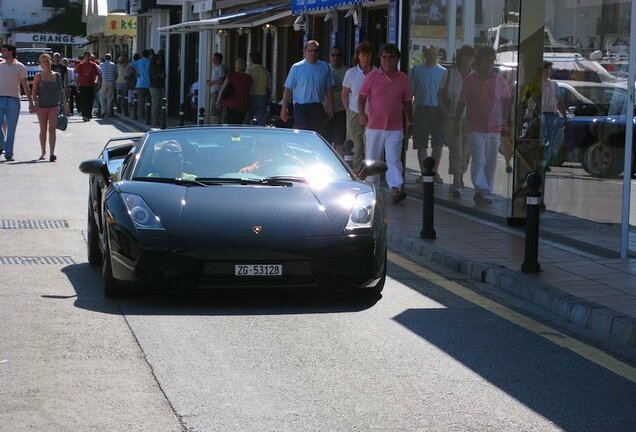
(258, 270)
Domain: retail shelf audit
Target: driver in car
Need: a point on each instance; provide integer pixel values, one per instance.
(272, 160)
(167, 161)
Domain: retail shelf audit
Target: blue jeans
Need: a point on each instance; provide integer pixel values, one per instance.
(9, 112)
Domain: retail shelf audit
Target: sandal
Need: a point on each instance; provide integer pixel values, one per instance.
(42, 158)
(53, 158)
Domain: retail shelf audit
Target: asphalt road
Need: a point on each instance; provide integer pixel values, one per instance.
(421, 358)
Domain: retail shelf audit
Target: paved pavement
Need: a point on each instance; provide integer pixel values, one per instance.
(595, 293)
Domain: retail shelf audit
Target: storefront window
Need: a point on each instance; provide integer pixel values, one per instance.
(570, 129)
(583, 145)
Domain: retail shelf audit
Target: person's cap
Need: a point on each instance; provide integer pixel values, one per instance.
(546, 64)
(57, 55)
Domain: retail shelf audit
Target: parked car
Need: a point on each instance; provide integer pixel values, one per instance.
(594, 133)
(233, 207)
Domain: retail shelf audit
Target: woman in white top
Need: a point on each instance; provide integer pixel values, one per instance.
(350, 90)
(455, 133)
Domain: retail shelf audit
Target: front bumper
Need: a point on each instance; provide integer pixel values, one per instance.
(195, 264)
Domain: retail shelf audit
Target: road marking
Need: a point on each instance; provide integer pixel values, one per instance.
(586, 351)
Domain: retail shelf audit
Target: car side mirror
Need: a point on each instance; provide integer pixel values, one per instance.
(371, 168)
(96, 167)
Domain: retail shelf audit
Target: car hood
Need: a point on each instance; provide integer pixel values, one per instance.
(235, 211)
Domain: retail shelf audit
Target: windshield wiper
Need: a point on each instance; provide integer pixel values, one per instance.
(269, 181)
(177, 181)
(287, 179)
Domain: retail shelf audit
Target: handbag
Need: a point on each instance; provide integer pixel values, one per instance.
(62, 120)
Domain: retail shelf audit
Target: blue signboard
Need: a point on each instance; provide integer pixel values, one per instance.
(300, 6)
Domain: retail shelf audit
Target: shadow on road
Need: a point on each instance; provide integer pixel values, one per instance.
(574, 393)
(87, 282)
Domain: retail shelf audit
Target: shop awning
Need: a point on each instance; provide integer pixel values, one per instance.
(301, 6)
(270, 13)
(257, 19)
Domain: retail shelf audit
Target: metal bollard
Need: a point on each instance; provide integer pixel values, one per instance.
(201, 116)
(135, 105)
(148, 111)
(164, 113)
(348, 152)
(119, 101)
(533, 208)
(428, 177)
(181, 114)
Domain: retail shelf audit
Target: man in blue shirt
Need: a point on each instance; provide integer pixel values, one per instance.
(142, 70)
(426, 82)
(309, 82)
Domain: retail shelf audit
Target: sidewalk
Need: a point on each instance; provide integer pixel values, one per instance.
(594, 293)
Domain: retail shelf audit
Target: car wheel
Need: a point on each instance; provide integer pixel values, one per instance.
(92, 240)
(111, 287)
(603, 160)
(378, 287)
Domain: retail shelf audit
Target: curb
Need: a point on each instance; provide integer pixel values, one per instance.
(605, 323)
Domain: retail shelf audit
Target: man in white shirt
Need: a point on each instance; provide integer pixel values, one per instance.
(12, 75)
(213, 114)
(350, 90)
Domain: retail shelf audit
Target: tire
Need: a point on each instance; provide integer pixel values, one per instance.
(93, 249)
(377, 289)
(603, 160)
(112, 288)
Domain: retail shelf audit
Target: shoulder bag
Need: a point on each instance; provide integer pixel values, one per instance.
(62, 120)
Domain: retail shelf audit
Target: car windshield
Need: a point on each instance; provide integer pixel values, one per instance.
(224, 155)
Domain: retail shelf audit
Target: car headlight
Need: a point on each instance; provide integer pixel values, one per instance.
(361, 215)
(141, 215)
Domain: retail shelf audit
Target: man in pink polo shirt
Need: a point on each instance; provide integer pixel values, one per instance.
(389, 95)
(486, 97)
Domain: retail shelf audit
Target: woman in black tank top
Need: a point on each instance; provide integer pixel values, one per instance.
(47, 92)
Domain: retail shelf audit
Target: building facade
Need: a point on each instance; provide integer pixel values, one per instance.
(587, 178)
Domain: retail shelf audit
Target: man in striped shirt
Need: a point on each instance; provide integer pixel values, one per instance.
(107, 91)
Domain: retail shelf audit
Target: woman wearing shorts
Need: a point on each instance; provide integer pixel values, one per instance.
(48, 94)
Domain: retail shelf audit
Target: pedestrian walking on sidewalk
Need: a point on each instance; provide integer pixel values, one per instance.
(121, 84)
(426, 82)
(237, 104)
(73, 97)
(455, 133)
(309, 84)
(486, 96)
(131, 79)
(87, 74)
(390, 100)
(350, 92)
(213, 114)
(336, 131)
(157, 86)
(13, 74)
(49, 97)
(261, 89)
(142, 85)
(57, 65)
(107, 89)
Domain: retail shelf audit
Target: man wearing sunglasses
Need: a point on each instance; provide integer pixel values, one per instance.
(309, 83)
